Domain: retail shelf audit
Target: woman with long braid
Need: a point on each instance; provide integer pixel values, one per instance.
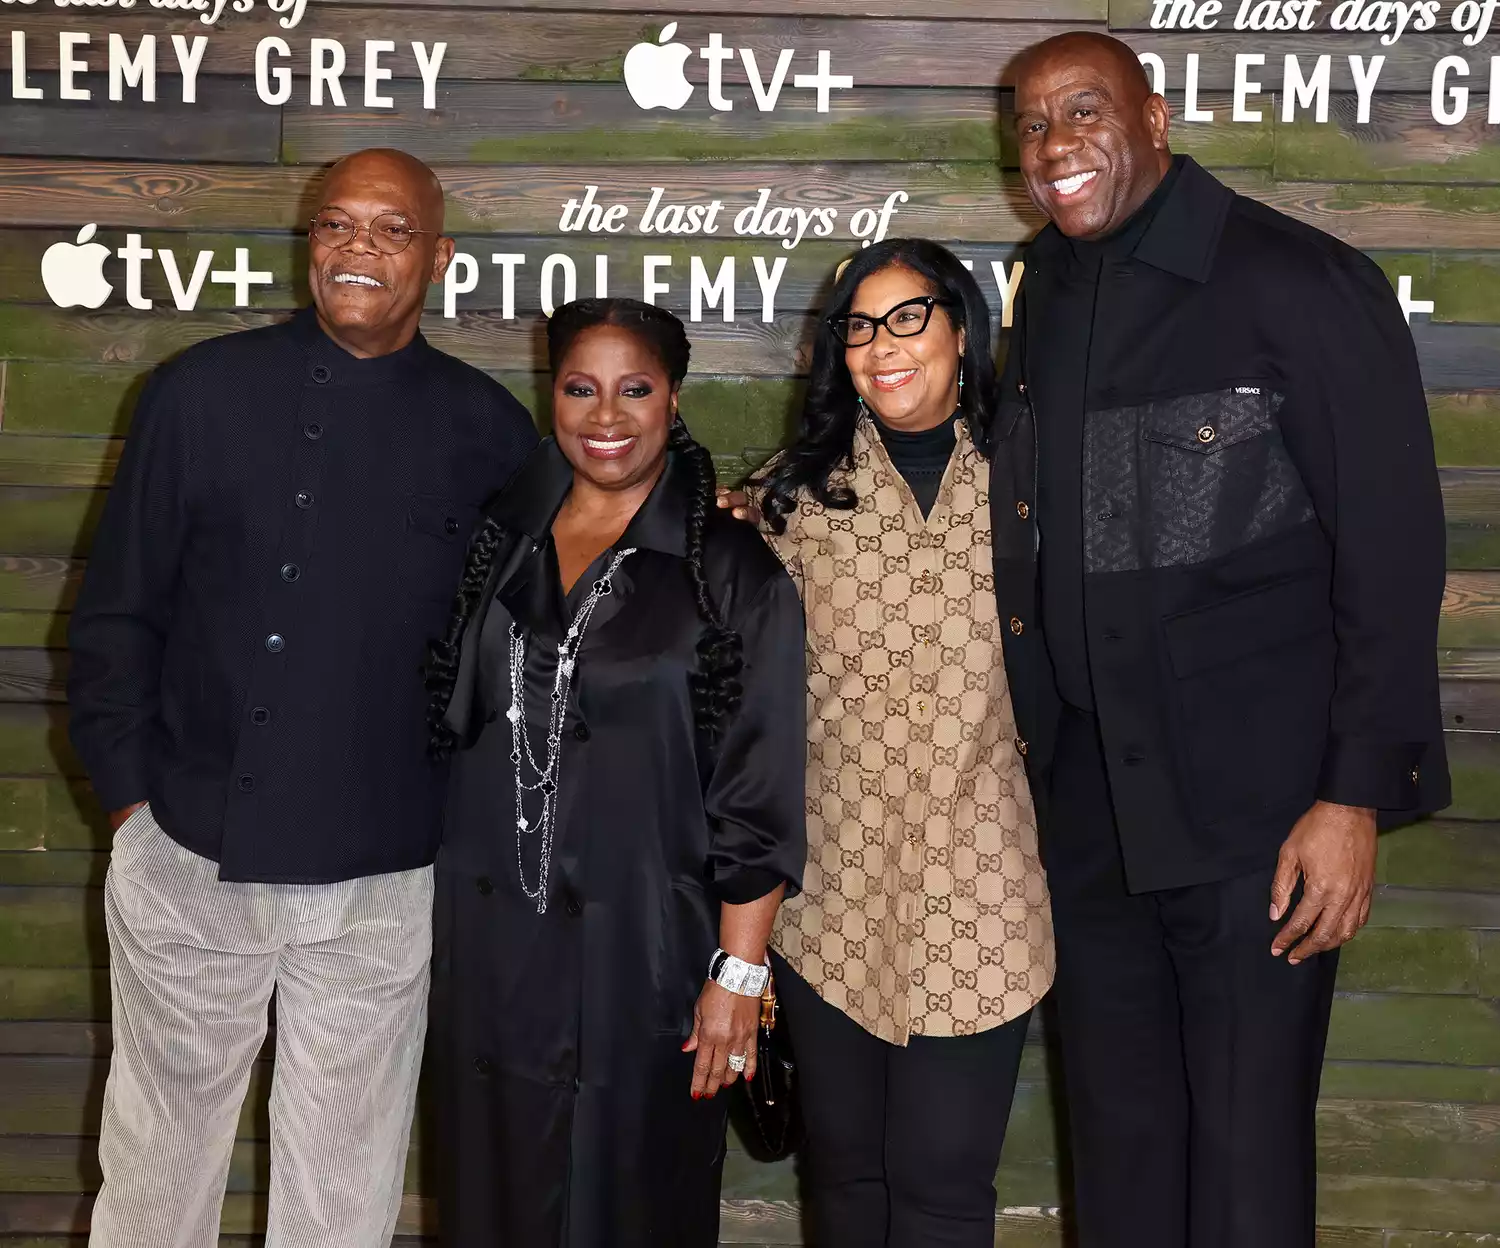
(615, 692)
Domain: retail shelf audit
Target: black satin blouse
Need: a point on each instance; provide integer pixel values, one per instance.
(566, 1027)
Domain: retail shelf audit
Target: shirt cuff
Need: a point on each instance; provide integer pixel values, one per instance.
(748, 884)
(1370, 772)
(120, 782)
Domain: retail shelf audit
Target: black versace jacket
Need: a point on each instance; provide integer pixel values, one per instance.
(1263, 537)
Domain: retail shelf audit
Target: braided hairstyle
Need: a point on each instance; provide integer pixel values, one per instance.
(715, 685)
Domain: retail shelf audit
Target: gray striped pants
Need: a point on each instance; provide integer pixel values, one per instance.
(193, 962)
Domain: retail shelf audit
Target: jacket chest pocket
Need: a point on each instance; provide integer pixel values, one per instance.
(1216, 475)
(433, 546)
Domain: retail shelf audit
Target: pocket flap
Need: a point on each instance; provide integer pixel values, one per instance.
(1211, 422)
(439, 517)
(1247, 623)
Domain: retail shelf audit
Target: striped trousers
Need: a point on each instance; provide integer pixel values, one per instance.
(193, 964)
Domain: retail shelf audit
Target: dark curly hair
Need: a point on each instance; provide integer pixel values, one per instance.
(715, 686)
(825, 432)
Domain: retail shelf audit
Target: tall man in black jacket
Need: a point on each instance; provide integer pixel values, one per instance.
(283, 537)
(1219, 551)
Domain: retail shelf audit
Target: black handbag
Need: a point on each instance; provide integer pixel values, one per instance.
(772, 1093)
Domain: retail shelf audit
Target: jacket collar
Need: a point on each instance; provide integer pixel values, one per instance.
(1183, 237)
(329, 364)
(530, 503)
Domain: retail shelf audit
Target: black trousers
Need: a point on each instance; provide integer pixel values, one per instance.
(1191, 1056)
(902, 1143)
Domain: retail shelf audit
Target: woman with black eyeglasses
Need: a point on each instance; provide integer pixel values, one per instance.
(909, 965)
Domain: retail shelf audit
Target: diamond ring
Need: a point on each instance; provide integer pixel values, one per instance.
(737, 1062)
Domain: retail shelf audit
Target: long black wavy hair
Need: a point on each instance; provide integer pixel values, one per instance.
(716, 688)
(825, 432)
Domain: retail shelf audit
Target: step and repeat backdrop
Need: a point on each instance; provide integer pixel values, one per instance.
(721, 157)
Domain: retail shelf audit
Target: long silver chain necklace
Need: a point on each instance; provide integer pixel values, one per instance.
(546, 782)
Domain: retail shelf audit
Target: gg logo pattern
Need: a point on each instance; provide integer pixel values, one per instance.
(925, 909)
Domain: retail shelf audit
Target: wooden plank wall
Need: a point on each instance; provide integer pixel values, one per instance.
(530, 108)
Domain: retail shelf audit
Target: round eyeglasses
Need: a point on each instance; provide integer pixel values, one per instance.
(389, 232)
(905, 320)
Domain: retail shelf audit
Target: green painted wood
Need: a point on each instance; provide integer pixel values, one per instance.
(1408, 1141)
(40, 585)
(485, 339)
(227, 122)
(41, 927)
(76, 868)
(44, 993)
(1410, 1081)
(1401, 142)
(26, 460)
(1441, 854)
(1466, 286)
(963, 199)
(50, 814)
(1465, 427)
(1474, 762)
(33, 741)
(1435, 908)
(32, 675)
(1489, 964)
(32, 628)
(1378, 959)
(1461, 1031)
(40, 521)
(1423, 1204)
(526, 123)
(486, 44)
(93, 400)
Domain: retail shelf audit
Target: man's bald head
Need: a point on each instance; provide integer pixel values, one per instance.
(1092, 133)
(1086, 45)
(370, 271)
(391, 166)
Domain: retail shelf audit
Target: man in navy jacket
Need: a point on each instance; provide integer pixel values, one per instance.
(283, 537)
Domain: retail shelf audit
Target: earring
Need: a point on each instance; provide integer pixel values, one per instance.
(960, 374)
(859, 403)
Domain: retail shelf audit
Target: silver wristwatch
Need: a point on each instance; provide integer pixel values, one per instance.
(738, 976)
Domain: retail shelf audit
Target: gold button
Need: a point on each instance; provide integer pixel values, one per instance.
(1207, 434)
(1016, 626)
(922, 706)
(1022, 510)
(1020, 746)
(917, 772)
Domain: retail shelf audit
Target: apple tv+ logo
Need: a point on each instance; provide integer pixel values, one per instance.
(73, 273)
(656, 74)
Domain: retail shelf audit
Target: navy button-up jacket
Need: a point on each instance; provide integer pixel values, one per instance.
(283, 538)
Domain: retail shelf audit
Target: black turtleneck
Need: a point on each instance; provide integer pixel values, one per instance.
(1059, 332)
(921, 457)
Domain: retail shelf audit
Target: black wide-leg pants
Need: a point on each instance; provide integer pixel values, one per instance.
(1191, 1056)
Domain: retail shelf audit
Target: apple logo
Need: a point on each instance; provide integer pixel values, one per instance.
(73, 273)
(653, 72)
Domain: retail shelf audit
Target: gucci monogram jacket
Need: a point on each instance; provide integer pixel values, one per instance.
(924, 908)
